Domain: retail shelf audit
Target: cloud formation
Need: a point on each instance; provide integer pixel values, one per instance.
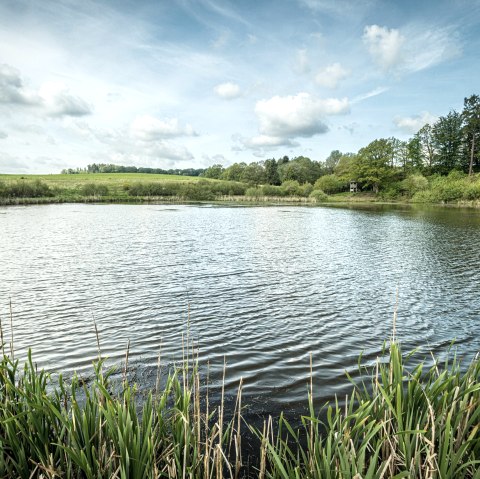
(331, 76)
(228, 91)
(149, 128)
(385, 46)
(417, 48)
(411, 124)
(300, 115)
(59, 101)
(12, 89)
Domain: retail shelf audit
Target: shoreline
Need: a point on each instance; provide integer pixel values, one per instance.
(236, 200)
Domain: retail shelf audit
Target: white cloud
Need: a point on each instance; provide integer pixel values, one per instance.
(331, 76)
(430, 46)
(375, 92)
(149, 128)
(3, 135)
(300, 115)
(385, 46)
(418, 46)
(228, 90)
(411, 124)
(59, 101)
(12, 89)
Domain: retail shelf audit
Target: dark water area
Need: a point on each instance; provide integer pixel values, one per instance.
(262, 288)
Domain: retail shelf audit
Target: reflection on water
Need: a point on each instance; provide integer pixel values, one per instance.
(265, 286)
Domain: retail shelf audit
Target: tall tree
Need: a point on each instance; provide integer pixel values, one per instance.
(471, 128)
(271, 172)
(425, 137)
(372, 166)
(447, 140)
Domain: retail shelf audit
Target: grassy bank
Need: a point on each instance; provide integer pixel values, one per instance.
(405, 421)
(140, 188)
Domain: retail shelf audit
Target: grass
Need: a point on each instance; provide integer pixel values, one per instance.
(404, 420)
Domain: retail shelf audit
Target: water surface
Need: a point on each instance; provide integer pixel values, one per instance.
(262, 287)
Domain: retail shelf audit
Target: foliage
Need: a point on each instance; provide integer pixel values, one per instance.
(319, 196)
(25, 189)
(301, 169)
(330, 184)
(402, 420)
(94, 189)
(414, 183)
(407, 422)
(214, 171)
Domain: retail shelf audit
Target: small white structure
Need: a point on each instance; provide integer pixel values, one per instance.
(353, 186)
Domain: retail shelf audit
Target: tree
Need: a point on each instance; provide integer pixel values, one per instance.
(471, 129)
(271, 172)
(372, 166)
(332, 161)
(425, 137)
(234, 172)
(301, 169)
(214, 171)
(253, 174)
(447, 140)
(414, 159)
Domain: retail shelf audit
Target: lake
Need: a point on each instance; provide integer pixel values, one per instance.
(261, 287)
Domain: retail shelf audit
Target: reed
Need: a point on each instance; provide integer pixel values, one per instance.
(404, 420)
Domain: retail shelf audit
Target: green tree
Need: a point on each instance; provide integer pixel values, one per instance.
(253, 174)
(448, 143)
(214, 171)
(271, 172)
(332, 161)
(414, 158)
(471, 130)
(425, 137)
(234, 172)
(301, 169)
(372, 167)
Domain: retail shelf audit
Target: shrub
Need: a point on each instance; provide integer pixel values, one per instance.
(319, 196)
(271, 190)
(254, 192)
(414, 183)
(25, 189)
(472, 191)
(330, 184)
(94, 189)
(291, 188)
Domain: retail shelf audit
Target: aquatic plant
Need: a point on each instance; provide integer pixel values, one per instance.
(401, 421)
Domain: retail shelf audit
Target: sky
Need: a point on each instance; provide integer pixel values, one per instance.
(191, 83)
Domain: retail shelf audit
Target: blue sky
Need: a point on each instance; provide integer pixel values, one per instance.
(189, 83)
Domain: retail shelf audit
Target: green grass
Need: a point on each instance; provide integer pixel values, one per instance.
(404, 421)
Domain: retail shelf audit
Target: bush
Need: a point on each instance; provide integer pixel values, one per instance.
(94, 189)
(201, 191)
(330, 184)
(167, 188)
(254, 192)
(472, 191)
(414, 183)
(271, 190)
(291, 188)
(319, 196)
(25, 189)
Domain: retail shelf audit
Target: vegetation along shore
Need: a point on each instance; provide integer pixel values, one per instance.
(405, 420)
(439, 164)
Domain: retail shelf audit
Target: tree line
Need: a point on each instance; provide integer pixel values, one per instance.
(111, 168)
(450, 144)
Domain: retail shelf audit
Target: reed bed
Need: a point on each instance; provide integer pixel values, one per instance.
(402, 422)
